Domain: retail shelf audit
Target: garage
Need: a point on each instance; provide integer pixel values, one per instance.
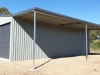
(37, 33)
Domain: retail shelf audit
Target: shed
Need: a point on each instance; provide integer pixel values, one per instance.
(37, 33)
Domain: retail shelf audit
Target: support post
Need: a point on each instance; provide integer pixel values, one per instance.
(34, 41)
(86, 43)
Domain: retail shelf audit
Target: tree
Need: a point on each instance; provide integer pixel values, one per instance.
(98, 32)
(94, 35)
(4, 11)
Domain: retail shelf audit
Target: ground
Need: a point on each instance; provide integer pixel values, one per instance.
(61, 66)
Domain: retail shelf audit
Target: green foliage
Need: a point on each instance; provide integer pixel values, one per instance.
(95, 45)
(4, 11)
(93, 36)
(98, 32)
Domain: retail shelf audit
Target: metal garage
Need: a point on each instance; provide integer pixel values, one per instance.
(54, 35)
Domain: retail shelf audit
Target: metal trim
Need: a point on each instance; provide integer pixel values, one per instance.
(5, 23)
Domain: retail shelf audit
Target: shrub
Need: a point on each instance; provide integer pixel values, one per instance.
(95, 45)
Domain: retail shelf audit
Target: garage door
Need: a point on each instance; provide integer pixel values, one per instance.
(4, 40)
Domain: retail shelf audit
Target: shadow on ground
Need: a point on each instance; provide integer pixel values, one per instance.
(43, 64)
(95, 53)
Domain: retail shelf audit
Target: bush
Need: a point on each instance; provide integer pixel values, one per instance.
(95, 45)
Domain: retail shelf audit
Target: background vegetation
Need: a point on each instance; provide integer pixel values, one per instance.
(95, 45)
(95, 39)
(4, 11)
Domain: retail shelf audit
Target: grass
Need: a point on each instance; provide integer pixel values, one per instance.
(95, 45)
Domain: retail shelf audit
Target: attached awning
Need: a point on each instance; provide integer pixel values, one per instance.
(56, 19)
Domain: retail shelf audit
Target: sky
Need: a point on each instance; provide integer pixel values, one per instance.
(88, 10)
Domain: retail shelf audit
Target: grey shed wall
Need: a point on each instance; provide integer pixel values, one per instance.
(51, 41)
(4, 40)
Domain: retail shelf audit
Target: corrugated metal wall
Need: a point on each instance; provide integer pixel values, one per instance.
(4, 40)
(51, 41)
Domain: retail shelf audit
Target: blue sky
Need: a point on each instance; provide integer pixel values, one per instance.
(88, 10)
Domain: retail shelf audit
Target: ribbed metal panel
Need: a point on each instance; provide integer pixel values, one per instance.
(4, 40)
(51, 41)
(22, 41)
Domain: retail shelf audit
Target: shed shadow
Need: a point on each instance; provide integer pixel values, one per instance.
(43, 63)
(94, 53)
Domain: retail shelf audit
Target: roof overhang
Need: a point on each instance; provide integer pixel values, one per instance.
(56, 19)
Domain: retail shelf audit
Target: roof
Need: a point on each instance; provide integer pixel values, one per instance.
(55, 18)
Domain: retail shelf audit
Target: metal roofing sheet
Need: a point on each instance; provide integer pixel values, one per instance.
(55, 18)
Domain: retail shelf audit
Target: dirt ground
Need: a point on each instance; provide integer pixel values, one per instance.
(61, 66)
(94, 51)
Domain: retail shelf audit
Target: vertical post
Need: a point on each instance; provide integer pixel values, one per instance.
(34, 41)
(86, 42)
